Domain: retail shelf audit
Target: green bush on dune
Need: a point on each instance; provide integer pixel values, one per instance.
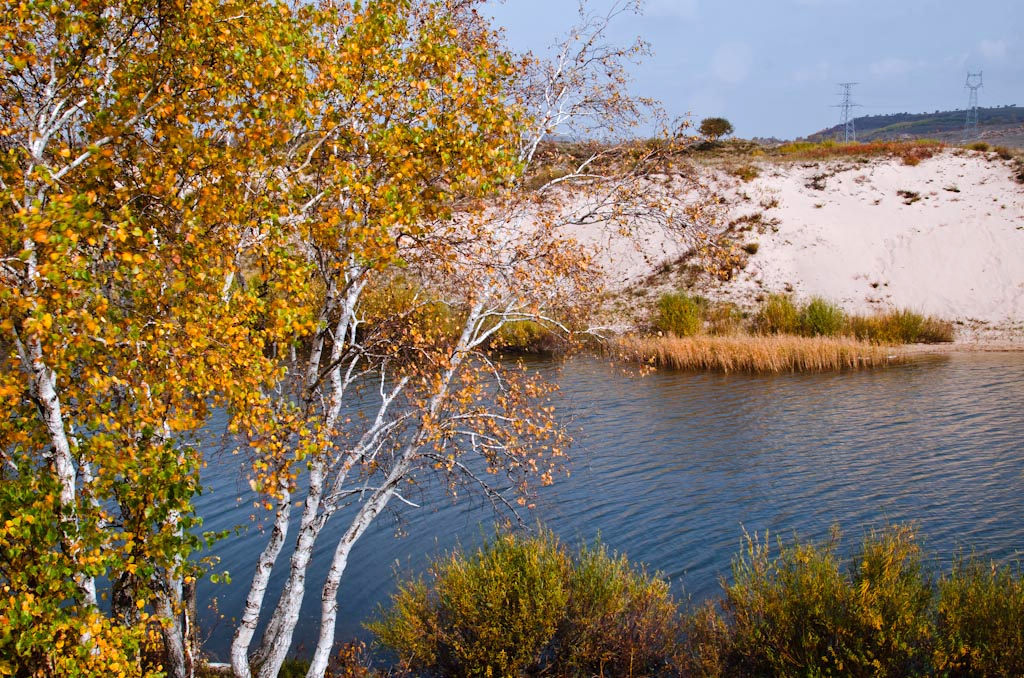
(679, 314)
(778, 315)
(820, 318)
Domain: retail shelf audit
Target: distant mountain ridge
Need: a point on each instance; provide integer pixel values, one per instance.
(947, 125)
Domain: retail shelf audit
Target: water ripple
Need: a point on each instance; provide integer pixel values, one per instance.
(672, 467)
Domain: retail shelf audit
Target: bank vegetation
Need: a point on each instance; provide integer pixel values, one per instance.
(530, 606)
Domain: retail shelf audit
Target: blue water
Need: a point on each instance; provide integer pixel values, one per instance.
(672, 467)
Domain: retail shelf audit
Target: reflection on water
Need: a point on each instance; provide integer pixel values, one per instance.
(672, 467)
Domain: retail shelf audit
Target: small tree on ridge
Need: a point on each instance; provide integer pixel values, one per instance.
(715, 128)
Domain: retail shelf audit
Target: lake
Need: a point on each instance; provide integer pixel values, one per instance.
(672, 467)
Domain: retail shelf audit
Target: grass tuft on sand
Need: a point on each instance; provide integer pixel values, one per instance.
(756, 354)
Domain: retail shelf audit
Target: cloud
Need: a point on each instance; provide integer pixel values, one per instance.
(681, 9)
(893, 67)
(731, 62)
(994, 50)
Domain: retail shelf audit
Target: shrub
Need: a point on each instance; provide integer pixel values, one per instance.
(1003, 152)
(619, 622)
(751, 248)
(821, 318)
(527, 336)
(899, 327)
(724, 318)
(892, 602)
(778, 315)
(294, 667)
(746, 172)
(706, 649)
(489, 613)
(799, 613)
(715, 128)
(523, 605)
(980, 621)
(679, 314)
(980, 146)
(786, 612)
(394, 305)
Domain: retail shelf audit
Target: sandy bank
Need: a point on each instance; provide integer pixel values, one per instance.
(944, 238)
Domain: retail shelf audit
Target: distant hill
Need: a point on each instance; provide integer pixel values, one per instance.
(1003, 123)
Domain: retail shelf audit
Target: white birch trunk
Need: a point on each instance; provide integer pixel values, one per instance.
(377, 503)
(44, 386)
(258, 588)
(277, 639)
(174, 640)
(329, 596)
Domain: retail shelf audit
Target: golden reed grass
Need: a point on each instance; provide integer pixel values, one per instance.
(754, 353)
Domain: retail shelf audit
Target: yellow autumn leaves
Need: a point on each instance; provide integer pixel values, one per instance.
(166, 170)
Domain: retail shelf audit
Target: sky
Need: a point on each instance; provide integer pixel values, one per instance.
(772, 66)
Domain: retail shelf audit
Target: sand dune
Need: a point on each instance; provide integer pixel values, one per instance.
(945, 237)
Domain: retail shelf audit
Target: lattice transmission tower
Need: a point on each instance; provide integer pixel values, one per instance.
(973, 84)
(847, 106)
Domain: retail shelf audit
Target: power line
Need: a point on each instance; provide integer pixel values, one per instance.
(974, 82)
(849, 130)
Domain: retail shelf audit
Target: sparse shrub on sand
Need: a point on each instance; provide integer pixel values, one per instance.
(1003, 152)
(778, 315)
(917, 149)
(899, 327)
(746, 172)
(679, 314)
(821, 318)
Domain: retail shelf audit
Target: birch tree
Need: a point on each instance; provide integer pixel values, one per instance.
(127, 133)
(299, 214)
(414, 315)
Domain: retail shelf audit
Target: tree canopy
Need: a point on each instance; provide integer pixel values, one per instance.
(715, 128)
(319, 220)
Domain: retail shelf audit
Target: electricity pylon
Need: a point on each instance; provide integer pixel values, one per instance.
(849, 130)
(974, 81)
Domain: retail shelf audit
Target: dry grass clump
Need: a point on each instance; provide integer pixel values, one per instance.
(1003, 152)
(758, 354)
(746, 172)
(899, 327)
(912, 152)
(779, 314)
